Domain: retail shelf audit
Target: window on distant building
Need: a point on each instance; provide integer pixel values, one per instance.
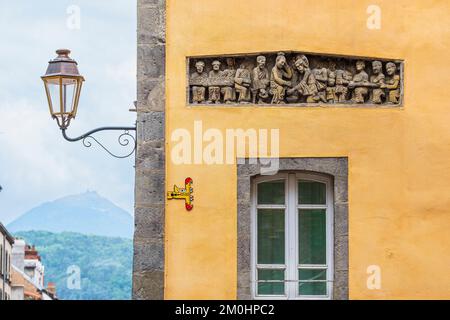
(292, 241)
(1, 259)
(7, 265)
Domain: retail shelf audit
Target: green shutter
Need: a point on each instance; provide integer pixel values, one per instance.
(271, 236)
(311, 192)
(315, 286)
(271, 288)
(271, 192)
(312, 236)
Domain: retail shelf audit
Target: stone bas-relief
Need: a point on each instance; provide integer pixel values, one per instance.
(294, 78)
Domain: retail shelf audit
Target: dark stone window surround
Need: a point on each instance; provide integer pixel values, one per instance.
(337, 168)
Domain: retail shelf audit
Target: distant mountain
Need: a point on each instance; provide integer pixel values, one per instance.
(86, 213)
(104, 264)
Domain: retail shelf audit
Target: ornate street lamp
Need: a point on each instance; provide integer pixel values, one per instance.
(63, 84)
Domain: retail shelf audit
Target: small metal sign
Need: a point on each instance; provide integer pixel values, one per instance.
(183, 194)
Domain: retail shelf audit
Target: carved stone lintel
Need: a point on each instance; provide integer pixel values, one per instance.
(294, 78)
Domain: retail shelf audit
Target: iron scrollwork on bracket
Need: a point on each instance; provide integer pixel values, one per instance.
(124, 139)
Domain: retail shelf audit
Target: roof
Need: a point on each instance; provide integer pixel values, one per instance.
(31, 283)
(26, 278)
(6, 233)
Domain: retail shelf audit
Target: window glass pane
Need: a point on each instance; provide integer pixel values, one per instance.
(271, 192)
(313, 287)
(273, 288)
(311, 192)
(270, 236)
(312, 236)
(54, 91)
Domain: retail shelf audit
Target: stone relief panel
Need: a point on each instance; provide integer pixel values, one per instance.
(294, 78)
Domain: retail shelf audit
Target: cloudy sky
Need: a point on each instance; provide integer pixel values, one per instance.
(36, 163)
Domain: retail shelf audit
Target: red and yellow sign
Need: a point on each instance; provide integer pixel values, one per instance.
(183, 193)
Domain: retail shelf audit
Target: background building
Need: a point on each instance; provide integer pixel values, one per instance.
(6, 243)
(28, 274)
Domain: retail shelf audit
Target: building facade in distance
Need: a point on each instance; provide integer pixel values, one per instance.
(6, 243)
(292, 150)
(28, 274)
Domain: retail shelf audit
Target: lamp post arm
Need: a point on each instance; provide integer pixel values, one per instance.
(87, 134)
(124, 139)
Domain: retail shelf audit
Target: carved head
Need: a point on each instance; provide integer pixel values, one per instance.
(295, 58)
(360, 65)
(331, 79)
(216, 65)
(281, 60)
(302, 63)
(200, 66)
(242, 66)
(377, 67)
(319, 65)
(348, 75)
(391, 68)
(261, 61)
(332, 65)
(230, 62)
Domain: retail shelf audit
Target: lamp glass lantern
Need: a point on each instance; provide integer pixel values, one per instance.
(63, 84)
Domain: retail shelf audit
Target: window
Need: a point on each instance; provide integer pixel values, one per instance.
(7, 265)
(1, 259)
(292, 241)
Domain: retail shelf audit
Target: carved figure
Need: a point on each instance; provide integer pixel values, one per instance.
(321, 75)
(331, 87)
(308, 85)
(392, 83)
(377, 79)
(214, 79)
(242, 82)
(260, 81)
(228, 92)
(198, 80)
(279, 79)
(292, 96)
(359, 83)
(343, 78)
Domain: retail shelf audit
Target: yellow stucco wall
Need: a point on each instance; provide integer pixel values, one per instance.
(399, 168)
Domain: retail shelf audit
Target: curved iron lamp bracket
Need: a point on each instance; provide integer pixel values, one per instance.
(124, 139)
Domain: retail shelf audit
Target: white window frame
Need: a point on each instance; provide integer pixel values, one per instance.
(291, 207)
